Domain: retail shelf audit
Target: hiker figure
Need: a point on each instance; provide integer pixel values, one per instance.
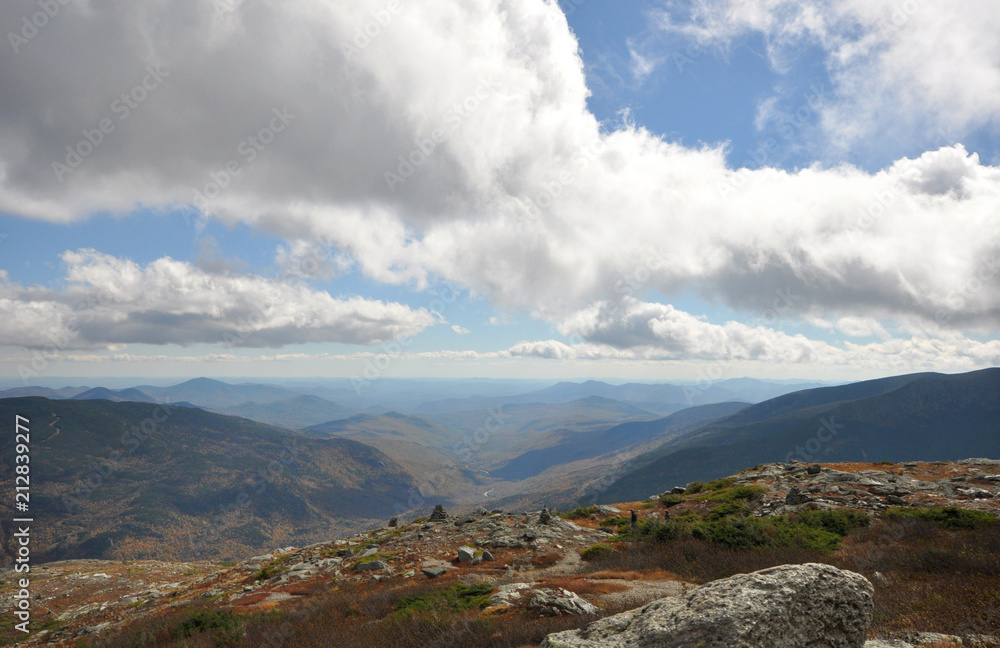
(634, 519)
(666, 514)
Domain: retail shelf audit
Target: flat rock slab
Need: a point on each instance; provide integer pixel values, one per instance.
(791, 606)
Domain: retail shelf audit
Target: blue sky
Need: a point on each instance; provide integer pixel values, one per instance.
(713, 187)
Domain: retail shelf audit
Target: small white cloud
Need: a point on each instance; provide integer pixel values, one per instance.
(641, 65)
(461, 330)
(861, 327)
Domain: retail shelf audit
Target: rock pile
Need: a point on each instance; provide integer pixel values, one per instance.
(439, 514)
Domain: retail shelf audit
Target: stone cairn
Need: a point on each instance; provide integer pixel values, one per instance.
(439, 514)
(545, 516)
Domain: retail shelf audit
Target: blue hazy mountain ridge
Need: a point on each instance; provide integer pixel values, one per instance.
(925, 416)
(293, 413)
(215, 394)
(569, 446)
(661, 398)
(44, 392)
(117, 395)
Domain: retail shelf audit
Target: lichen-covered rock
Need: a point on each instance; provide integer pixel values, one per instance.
(373, 565)
(558, 602)
(791, 606)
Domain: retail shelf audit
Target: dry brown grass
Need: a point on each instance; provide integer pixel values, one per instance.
(583, 587)
(632, 575)
(546, 559)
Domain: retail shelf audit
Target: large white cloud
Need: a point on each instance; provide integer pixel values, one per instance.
(454, 142)
(110, 301)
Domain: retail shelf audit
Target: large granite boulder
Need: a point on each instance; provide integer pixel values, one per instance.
(791, 606)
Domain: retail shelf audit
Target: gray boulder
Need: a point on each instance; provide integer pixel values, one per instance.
(557, 602)
(791, 606)
(466, 554)
(795, 497)
(373, 565)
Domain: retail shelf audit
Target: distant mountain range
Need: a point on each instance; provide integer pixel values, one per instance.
(926, 416)
(274, 404)
(657, 398)
(144, 485)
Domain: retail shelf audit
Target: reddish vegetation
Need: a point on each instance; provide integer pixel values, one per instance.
(926, 578)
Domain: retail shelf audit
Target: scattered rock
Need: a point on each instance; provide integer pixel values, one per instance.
(345, 553)
(466, 554)
(607, 509)
(814, 469)
(795, 497)
(508, 595)
(558, 602)
(488, 556)
(372, 565)
(433, 572)
(790, 605)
